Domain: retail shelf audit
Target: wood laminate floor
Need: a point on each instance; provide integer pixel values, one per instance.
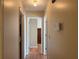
(35, 54)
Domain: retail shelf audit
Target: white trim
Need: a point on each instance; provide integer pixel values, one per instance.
(25, 50)
(33, 17)
(28, 36)
(27, 53)
(34, 47)
(44, 53)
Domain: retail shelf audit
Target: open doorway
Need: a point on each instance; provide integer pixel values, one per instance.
(33, 43)
(35, 34)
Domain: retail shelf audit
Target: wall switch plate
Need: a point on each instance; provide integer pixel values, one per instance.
(59, 26)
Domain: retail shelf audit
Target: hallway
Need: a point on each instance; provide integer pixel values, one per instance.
(35, 54)
(59, 29)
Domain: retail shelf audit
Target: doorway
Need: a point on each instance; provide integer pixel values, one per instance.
(32, 41)
(39, 35)
(33, 25)
(21, 38)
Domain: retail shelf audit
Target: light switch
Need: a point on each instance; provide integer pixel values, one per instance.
(58, 26)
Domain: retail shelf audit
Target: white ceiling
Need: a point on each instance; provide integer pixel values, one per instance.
(28, 5)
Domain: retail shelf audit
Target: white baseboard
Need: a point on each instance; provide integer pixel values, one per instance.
(44, 53)
(34, 47)
(27, 53)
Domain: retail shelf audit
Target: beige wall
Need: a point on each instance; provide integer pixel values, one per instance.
(11, 29)
(62, 44)
(1, 28)
(35, 13)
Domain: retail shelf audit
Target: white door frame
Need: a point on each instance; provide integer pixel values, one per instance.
(28, 42)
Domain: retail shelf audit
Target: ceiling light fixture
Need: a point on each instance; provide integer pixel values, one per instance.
(35, 3)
